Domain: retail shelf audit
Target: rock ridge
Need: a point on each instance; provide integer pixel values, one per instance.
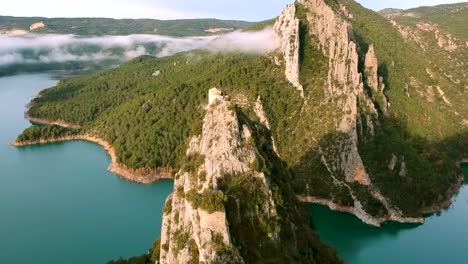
(223, 150)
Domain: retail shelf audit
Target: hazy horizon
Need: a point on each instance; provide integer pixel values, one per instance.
(175, 9)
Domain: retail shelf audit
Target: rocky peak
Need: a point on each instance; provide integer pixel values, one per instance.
(196, 213)
(287, 33)
(371, 66)
(214, 94)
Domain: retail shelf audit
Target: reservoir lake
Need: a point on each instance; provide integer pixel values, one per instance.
(59, 205)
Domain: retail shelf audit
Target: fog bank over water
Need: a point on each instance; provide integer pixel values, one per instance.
(44, 49)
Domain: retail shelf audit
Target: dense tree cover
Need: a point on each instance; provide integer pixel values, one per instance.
(148, 119)
(109, 26)
(36, 133)
(260, 25)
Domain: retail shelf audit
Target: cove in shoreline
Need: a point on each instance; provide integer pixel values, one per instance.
(143, 176)
(58, 204)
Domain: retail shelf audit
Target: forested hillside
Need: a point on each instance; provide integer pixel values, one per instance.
(149, 118)
(108, 26)
(453, 17)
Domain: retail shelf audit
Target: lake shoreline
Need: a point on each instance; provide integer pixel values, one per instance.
(373, 221)
(143, 176)
(364, 217)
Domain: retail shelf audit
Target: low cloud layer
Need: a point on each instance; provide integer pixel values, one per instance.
(38, 49)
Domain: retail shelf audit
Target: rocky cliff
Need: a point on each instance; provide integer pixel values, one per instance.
(287, 33)
(356, 96)
(224, 208)
(194, 233)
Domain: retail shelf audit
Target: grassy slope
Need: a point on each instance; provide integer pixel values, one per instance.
(452, 17)
(108, 26)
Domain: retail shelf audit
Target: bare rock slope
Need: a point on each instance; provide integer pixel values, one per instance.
(224, 208)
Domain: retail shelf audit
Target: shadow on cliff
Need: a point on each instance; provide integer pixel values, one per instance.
(425, 173)
(297, 242)
(432, 170)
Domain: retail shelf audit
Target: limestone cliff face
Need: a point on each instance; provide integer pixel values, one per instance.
(371, 65)
(195, 226)
(372, 78)
(335, 40)
(287, 32)
(356, 94)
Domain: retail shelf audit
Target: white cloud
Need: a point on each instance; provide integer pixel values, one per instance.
(33, 48)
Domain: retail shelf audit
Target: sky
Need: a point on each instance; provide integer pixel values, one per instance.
(251, 10)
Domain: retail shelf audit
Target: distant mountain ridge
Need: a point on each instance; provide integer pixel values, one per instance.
(453, 17)
(110, 26)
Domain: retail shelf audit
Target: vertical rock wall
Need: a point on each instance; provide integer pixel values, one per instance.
(334, 36)
(287, 32)
(345, 88)
(223, 149)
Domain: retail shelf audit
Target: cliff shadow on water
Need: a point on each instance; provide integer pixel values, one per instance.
(347, 233)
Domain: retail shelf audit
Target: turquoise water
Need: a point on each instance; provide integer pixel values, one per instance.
(58, 203)
(442, 239)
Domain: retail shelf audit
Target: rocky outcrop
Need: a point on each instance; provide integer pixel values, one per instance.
(195, 227)
(36, 26)
(287, 33)
(371, 66)
(444, 40)
(335, 40)
(258, 109)
(214, 94)
(357, 115)
(373, 80)
(260, 112)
